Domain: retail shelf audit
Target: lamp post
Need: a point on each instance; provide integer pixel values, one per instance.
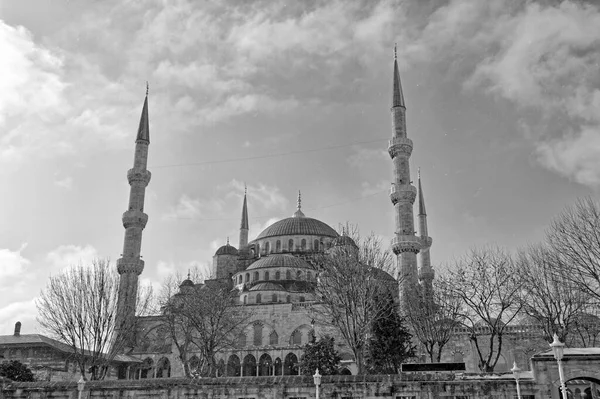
(80, 386)
(317, 380)
(558, 349)
(517, 373)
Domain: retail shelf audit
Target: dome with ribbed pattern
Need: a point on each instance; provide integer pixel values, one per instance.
(279, 260)
(298, 226)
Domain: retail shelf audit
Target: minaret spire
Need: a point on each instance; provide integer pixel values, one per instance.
(130, 265)
(426, 273)
(405, 243)
(244, 229)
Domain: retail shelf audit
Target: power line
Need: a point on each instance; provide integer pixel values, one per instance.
(270, 216)
(333, 147)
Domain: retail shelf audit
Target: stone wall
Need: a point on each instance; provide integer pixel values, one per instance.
(406, 385)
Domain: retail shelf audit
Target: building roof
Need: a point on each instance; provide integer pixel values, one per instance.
(37, 339)
(267, 286)
(279, 260)
(298, 226)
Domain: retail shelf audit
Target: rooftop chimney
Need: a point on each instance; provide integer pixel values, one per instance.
(17, 328)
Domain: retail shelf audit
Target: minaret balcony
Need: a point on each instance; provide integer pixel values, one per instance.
(426, 242)
(426, 274)
(138, 176)
(403, 193)
(130, 265)
(134, 218)
(402, 244)
(400, 145)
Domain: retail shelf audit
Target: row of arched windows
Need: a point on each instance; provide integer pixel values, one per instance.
(146, 370)
(291, 247)
(273, 297)
(264, 367)
(295, 337)
(289, 275)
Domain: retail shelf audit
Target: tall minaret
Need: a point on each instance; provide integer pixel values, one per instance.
(244, 225)
(130, 265)
(426, 272)
(405, 244)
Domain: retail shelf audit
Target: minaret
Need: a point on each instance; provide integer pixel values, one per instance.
(405, 243)
(244, 225)
(426, 272)
(130, 265)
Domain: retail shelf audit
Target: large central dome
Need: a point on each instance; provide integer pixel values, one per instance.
(298, 226)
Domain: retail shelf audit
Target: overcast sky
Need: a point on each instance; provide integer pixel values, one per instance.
(503, 106)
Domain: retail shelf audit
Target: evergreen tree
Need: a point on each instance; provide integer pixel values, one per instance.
(320, 355)
(16, 371)
(389, 344)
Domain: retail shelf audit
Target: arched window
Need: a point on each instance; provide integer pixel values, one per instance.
(245, 299)
(163, 368)
(233, 366)
(241, 340)
(274, 298)
(296, 338)
(288, 299)
(258, 298)
(309, 276)
(301, 299)
(255, 277)
(278, 246)
(291, 245)
(290, 366)
(273, 338)
(240, 279)
(266, 276)
(267, 247)
(316, 245)
(277, 275)
(195, 364)
(265, 365)
(258, 330)
(249, 366)
(288, 275)
(247, 277)
(303, 244)
(299, 275)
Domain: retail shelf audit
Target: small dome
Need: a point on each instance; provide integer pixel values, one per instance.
(268, 286)
(227, 250)
(186, 283)
(382, 274)
(279, 260)
(344, 240)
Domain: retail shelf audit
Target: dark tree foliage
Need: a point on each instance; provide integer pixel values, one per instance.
(320, 355)
(389, 344)
(16, 371)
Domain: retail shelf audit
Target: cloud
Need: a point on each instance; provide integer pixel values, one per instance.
(192, 208)
(366, 156)
(259, 195)
(66, 183)
(23, 311)
(543, 57)
(68, 255)
(371, 189)
(13, 263)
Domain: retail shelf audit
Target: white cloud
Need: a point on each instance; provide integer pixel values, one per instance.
(65, 256)
(13, 263)
(260, 196)
(371, 189)
(192, 208)
(365, 156)
(24, 312)
(66, 183)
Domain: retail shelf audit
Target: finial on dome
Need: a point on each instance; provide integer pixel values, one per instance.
(189, 273)
(227, 240)
(298, 213)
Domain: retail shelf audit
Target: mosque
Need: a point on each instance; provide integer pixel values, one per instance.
(272, 273)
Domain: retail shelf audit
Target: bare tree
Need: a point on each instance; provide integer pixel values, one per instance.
(79, 308)
(575, 235)
(201, 318)
(549, 296)
(352, 288)
(433, 320)
(486, 282)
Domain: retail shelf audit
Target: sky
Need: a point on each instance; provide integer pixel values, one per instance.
(503, 107)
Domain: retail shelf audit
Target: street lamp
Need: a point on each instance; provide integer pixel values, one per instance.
(80, 386)
(558, 349)
(317, 380)
(517, 373)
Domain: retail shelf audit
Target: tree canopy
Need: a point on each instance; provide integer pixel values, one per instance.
(16, 371)
(320, 355)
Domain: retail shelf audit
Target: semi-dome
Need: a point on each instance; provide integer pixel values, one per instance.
(186, 283)
(268, 286)
(344, 240)
(279, 260)
(298, 226)
(227, 250)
